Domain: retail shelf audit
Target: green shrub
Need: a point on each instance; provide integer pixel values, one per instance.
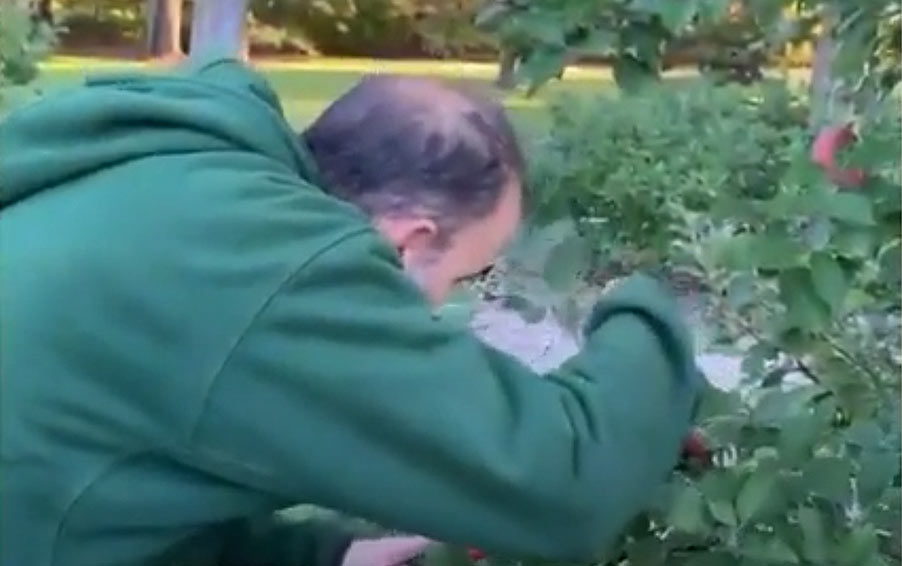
(628, 169)
(800, 280)
(23, 42)
(337, 27)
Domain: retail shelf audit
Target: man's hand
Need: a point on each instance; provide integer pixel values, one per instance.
(389, 551)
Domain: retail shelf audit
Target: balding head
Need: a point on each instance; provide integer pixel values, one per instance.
(437, 170)
(395, 145)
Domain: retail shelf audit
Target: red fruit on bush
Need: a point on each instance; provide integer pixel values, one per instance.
(695, 447)
(828, 142)
(475, 554)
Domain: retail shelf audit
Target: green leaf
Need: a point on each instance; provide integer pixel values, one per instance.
(760, 494)
(768, 549)
(854, 241)
(776, 406)
(888, 514)
(566, 261)
(648, 551)
(876, 471)
(542, 65)
(725, 430)
(688, 511)
(829, 279)
(631, 75)
(866, 434)
(890, 260)
(674, 15)
(857, 547)
(829, 477)
(723, 512)
(768, 12)
(599, 42)
(804, 309)
(721, 484)
(741, 290)
(854, 46)
(734, 252)
(763, 251)
(717, 402)
(711, 11)
(887, 196)
(643, 42)
(798, 436)
(772, 251)
(852, 208)
(815, 542)
(542, 27)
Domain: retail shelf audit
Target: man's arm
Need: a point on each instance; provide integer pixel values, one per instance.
(319, 540)
(276, 541)
(346, 393)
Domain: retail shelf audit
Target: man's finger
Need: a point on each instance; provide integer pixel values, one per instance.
(389, 551)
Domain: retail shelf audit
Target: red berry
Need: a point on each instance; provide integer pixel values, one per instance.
(475, 554)
(695, 447)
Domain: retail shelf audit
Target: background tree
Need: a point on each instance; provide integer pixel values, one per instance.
(219, 26)
(164, 24)
(24, 40)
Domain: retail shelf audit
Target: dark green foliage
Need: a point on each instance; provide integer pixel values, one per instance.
(806, 455)
(797, 276)
(24, 40)
(732, 39)
(632, 172)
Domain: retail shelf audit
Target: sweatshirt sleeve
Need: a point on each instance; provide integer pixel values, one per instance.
(276, 541)
(347, 393)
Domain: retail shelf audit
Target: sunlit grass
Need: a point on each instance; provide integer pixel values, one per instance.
(306, 86)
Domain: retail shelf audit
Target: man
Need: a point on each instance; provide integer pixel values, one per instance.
(205, 320)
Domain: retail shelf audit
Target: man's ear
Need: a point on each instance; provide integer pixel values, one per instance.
(412, 237)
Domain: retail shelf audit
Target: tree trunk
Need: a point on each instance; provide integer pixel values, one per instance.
(218, 27)
(830, 99)
(164, 23)
(506, 69)
(45, 11)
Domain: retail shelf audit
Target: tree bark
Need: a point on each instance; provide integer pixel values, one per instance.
(506, 69)
(164, 23)
(219, 28)
(45, 11)
(830, 99)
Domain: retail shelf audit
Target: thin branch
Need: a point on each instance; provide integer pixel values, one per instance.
(803, 367)
(750, 330)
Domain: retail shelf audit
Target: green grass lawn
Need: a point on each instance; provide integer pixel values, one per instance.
(307, 86)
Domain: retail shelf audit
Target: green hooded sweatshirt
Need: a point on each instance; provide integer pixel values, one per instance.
(194, 335)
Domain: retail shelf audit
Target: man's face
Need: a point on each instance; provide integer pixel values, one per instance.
(469, 251)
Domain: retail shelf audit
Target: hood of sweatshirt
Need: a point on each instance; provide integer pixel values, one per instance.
(203, 106)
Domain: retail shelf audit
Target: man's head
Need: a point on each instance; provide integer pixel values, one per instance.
(438, 171)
